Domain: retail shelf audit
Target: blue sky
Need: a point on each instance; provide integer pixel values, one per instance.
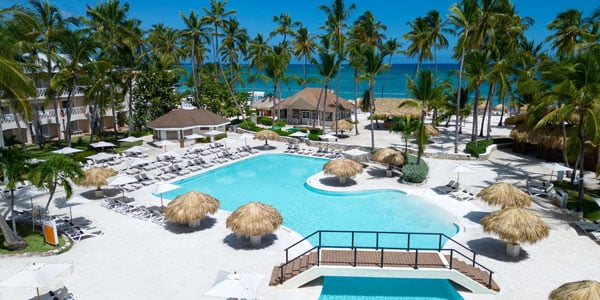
(257, 16)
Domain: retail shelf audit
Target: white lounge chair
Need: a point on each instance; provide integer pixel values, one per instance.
(586, 226)
(544, 190)
(78, 234)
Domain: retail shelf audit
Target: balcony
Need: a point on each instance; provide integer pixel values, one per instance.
(79, 91)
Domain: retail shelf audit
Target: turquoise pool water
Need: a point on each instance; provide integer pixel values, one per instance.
(363, 288)
(279, 180)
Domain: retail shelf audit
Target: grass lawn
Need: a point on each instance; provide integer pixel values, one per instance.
(34, 239)
(590, 209)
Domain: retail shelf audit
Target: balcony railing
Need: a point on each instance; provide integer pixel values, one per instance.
(79, 91)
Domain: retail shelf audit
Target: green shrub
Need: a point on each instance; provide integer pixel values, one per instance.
(80, 156)
(314, 134)
(280, 123)
(411, 172)
(140, 133)
(267, 121)
(249, 125)
(477, 148)
(236, 121)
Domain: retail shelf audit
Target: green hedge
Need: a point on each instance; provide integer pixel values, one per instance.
(280, 123)
(477, 148)
(314, 134)
(80, 156)
(411, 172)
(267, 121)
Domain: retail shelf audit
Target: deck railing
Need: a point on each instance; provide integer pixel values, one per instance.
(442, 245)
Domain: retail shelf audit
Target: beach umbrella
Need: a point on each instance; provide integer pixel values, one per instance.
(266, 135)
(97, 177)
(577, 290)
(356, 154)
(505, 194)
(162, 187)
(164, 144)
(120, 180)
(137, 149)
(515, 225)
(298, 134)
(62, 202)
(342, 125)
(190, 208)
(38, 276)
(101, 156)
(102, 144)
(431, 131)
(245, 136)
(235, 285)
(390, 157)
(254, 219)
(342, 168)
(136, 161)
(327, 137)
(169, 154)
(67, 150)
(461, 169)
(131, 139)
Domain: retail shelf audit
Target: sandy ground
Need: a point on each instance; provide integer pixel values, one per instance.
(137, 259)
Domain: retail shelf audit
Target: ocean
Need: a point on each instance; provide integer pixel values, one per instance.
(395, 86)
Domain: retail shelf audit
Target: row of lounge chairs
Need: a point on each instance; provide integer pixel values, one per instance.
(592, 229)
(452, 189)
(541, 188)
(74, 231)
(139, 212)
(321, 152)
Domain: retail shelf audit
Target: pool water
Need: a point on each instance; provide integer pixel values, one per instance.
(362, 288)
(279, 180)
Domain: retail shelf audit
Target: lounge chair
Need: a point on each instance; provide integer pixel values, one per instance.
(463, 195)
(451, 186)
(595, 235)
(78, 234)
(543, 190)
(586, 226)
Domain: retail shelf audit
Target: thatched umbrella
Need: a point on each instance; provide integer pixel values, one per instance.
(342, 125)
(504, 194)
(577, 290)
(254, 219)
(190, 208)
(97, 177)
(515, 225)
(501, 107)
(390, 157)
(266, 135)
(392, 107)
(431, 131)
(516, 119)
(342, 168)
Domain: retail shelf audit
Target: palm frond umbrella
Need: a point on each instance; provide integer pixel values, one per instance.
(190, 208)
(342, 125)
(97, 177)
(255, 220)
(515, 225)
(505, 194)
(431, 131)
(266, 135)
(390, 157)
(342, 168)
(577, 290)
(501, 107)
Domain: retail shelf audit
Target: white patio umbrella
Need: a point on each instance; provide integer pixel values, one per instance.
(299, 134)
(100, 156)
(245, 136)
(235, 285)
(67, 150)
(162, 187)
(171, 154)
(38, 276)
(137, 149)
(136, 161)
(62, 202)
(102, 144)
(356, 154)
(194, 136)
(120, 180)
(461, 169)
(327, 137)
(130, 139)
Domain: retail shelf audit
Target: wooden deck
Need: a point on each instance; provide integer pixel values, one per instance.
(371, 258)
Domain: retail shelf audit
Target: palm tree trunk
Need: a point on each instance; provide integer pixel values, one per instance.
(387, 76)
(56, 119)
(474, 129)
(316, 119)
(69, 110)
(564, 144)
(356, 101)
(304, 67)
(325, 104)
(21, 137)
(582, 141)
(337, 101)
(51, 191)
(485, 111)
(114, 112)
(460, 71)
(489, 111)
(13, 241)
(371, 85)
(130, 105)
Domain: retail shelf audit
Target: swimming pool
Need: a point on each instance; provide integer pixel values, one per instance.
(279, 180)
(362, 288)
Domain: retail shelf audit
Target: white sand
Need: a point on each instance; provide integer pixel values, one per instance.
(137, 259)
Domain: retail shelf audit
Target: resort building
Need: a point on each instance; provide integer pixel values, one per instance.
(264, 106)
(179, 123)
(301, 108)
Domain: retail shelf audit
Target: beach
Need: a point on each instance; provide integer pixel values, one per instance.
(136, 259)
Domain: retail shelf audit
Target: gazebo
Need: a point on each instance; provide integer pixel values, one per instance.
(179, 123)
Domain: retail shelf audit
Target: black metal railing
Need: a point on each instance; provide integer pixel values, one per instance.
(442, 245)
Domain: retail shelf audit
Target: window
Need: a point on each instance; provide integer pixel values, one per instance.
(305, 114)
(328, 116)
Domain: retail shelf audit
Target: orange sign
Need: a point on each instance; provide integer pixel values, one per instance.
(50, 232)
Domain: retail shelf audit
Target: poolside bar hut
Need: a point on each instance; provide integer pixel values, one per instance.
(301, 108)
(179, 123)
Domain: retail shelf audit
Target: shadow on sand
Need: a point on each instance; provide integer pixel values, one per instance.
(334, 181)
(244, 242)
(206, 223)
(475, 216)
(108, 192)
(495, 249)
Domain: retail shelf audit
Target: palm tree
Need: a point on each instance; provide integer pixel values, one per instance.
(235, 40)
(165, 41)
(80, 48)
(195, 35)
(373, 66)
(14, 162)
(327, 66)
(257, 50)
(435, 36)
(56, 171)
(215, 16)
(389, 48)
(286, 26)
(356, 61)
(425, 91)
(418, 36)
(406, 126)
(304, 47)
(477, 67)
(571, 32)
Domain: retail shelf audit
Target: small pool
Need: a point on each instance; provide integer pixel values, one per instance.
(279, 180)
(363, 288)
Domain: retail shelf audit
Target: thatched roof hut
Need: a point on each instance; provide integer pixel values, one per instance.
(505, 194)
(390, 108)
(342, 125)
(254, 219)
(266, 135)
(97, 177)
(390, 157)
(190, 208)
(515, 225)
(431, 131)
(577, 290)
(342, 168)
